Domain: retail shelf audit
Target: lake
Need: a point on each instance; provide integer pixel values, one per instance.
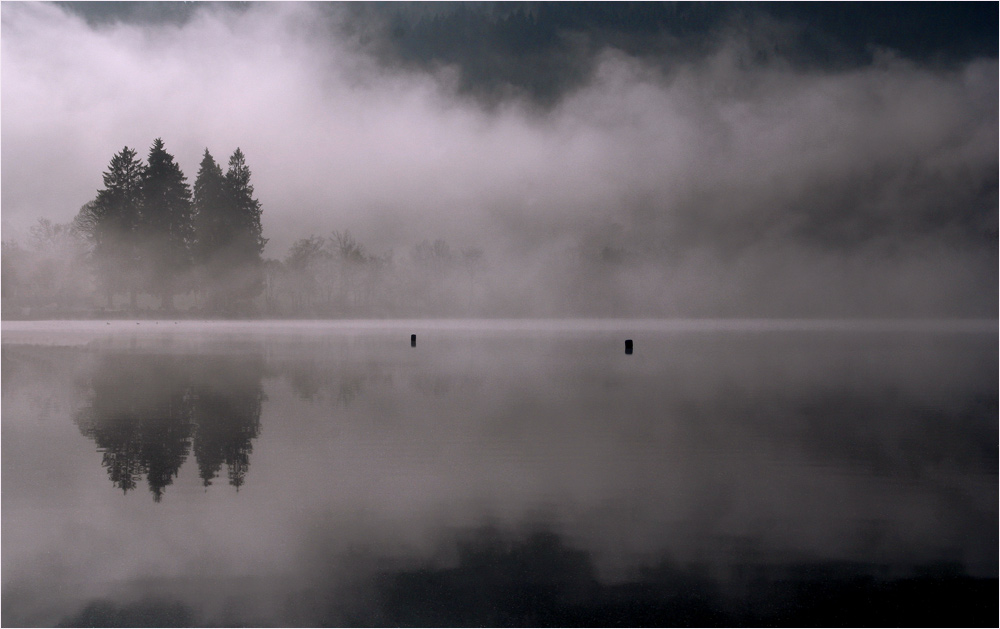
(499, 472)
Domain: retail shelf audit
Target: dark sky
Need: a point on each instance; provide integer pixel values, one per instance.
(746, 147)
(540, 51)
(543, 50)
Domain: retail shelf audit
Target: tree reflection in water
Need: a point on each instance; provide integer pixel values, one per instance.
(226, 401)
(147, 412)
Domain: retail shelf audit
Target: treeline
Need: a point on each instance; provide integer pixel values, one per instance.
(149, 242)
(147, 231)
(337, 276)
(151, 245)
(57, 274)
(60, 273)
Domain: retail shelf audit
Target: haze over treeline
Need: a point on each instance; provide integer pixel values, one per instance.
(520, 160)
(147, 231)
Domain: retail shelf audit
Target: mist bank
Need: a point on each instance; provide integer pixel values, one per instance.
(339, 277)
(711, 173)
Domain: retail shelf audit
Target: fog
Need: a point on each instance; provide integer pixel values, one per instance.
(717, 179)
(311, 473)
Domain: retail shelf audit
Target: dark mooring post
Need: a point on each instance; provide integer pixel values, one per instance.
(628, 346)
(413, 340)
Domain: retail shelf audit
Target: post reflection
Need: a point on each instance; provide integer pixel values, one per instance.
(147, 413)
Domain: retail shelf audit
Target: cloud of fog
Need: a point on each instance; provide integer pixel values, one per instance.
(730, 183)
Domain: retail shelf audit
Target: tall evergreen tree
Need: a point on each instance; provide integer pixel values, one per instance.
(214, 228)
(229, 240)
(209, 210)
(167, 228)
(247, 209)
(117, 216)
(247, 275)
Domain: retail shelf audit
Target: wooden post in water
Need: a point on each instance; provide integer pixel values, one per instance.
(413, 340)
(628, 346)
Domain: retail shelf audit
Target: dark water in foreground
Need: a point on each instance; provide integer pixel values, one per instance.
(499, 473)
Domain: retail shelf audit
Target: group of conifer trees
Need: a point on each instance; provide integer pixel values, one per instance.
(150, 233)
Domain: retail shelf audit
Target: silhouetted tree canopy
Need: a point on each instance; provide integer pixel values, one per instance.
(117, 215)
(148, 232)
(229, 237)
(209, 208)
(167, 223)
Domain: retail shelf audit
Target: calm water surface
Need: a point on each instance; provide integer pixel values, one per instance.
(499, 472)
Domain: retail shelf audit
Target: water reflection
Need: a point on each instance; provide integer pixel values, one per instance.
(147, 412)
(710, 479)
(149, 613)
(536, 578)
(316, 377)
(226, 398)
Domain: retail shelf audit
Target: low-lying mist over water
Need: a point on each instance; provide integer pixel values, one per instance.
(528, 160)
(529, 472)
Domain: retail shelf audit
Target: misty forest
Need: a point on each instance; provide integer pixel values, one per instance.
(149, 234)
(545, 160)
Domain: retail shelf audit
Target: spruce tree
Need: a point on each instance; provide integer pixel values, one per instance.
(246, 277)
(167, 227)
(229, 240)
(209, 209)
(210, 222)
(117, 216)
(246, 208)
